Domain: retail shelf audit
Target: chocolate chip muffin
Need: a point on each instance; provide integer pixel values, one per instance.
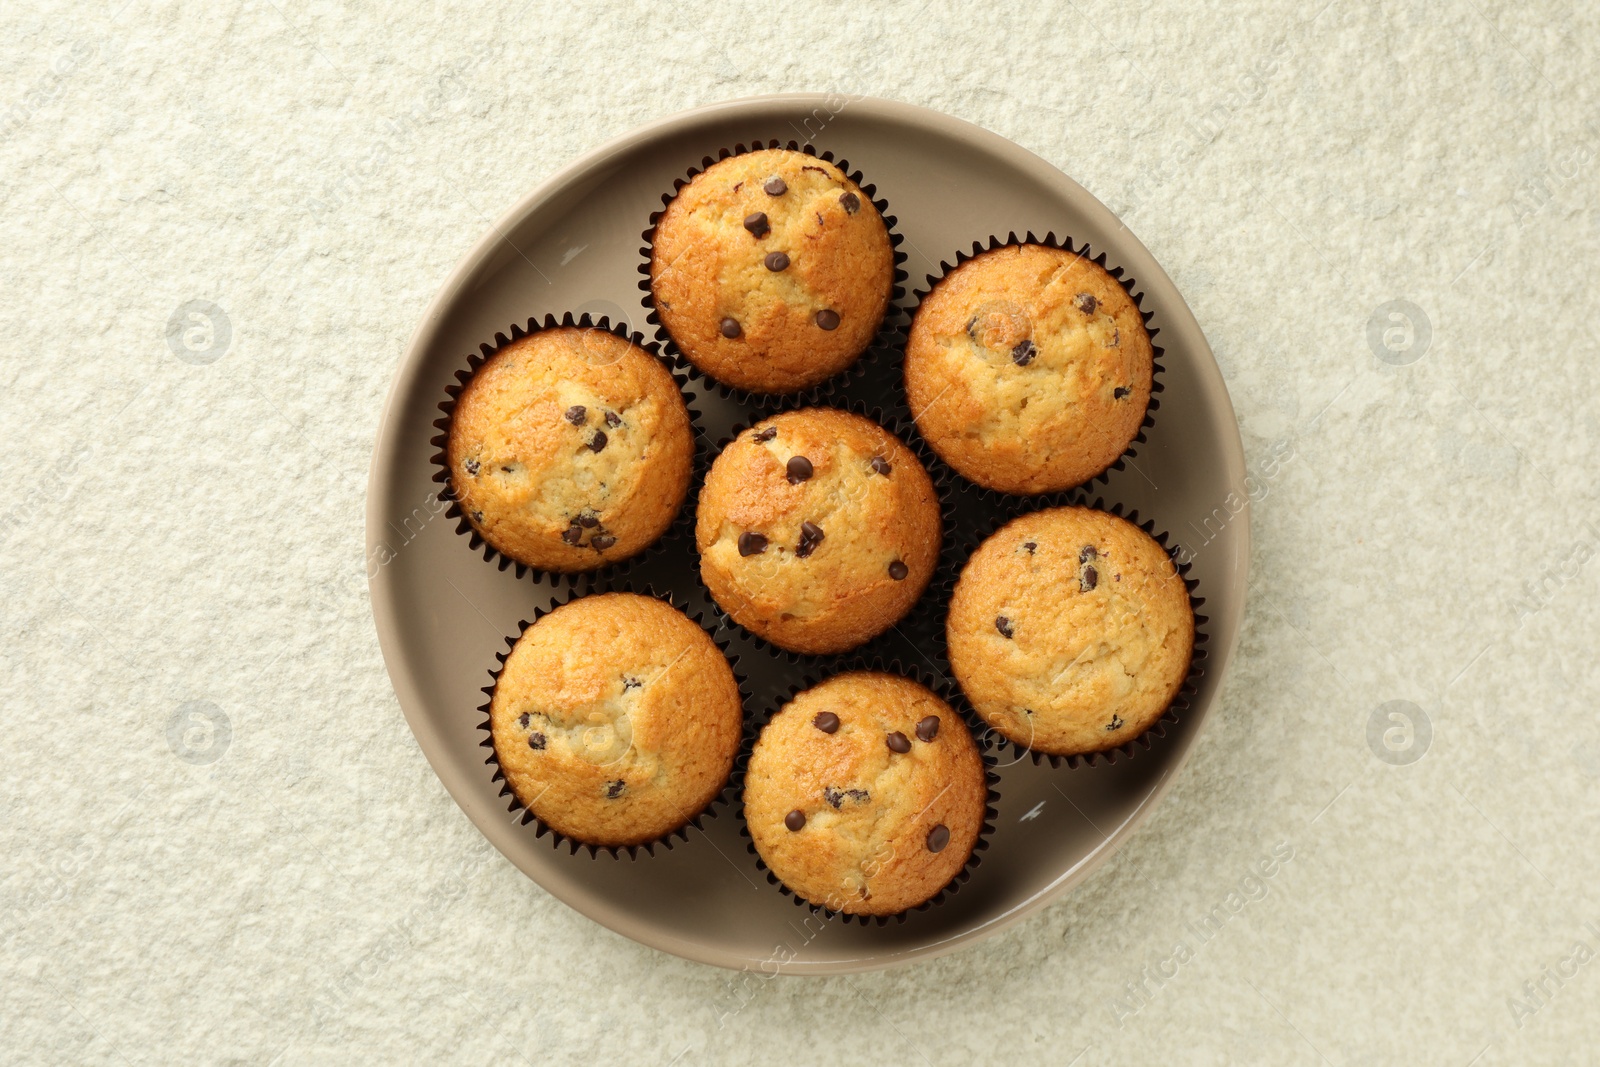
(570, 449)
(615, 719)
(865, 794)
(1028, 369)
(1070, 630)
(817, 530)
(771, 270)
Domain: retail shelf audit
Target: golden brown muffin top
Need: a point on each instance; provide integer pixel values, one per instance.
(1070, 630)
(570, 449)
(865, 794)
(817, 529)
(771, 270)
(616, 719)
(1028, 369)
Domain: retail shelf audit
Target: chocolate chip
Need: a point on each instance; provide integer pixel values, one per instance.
(587, 519)
(1003, 624)
(508, 470)
(614, 789)
(837, 797)
(522, 720)
(810, 537)
(799, 469)
(1119, 392)
(730, 328)
(572, 535)
(765, 435)
(757, 224)
(1031, 546)
(1089, 579)
(598, 441)
(477, 516)
(898, 742)
(928, 728)
(472, 467)
(1116, 723)
(1086, 553)
(938, 837)
(751, 544)
(826, 721)
(898, 571)
(828, 319)
(795, 820)
(613, 420)
(576, 413)
(850, 202)
(776, 187)
(1116, 339)
(1086, 303)
(777, 261)
(972, 328)
(1023, 354)
(602, 541)
(881, 465)
(537, 741)
(630, 682)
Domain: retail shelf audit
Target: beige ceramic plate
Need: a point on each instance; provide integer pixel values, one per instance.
(443, 612)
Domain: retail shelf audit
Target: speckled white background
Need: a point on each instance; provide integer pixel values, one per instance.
(181, 532)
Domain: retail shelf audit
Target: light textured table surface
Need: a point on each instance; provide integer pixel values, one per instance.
(220, 841)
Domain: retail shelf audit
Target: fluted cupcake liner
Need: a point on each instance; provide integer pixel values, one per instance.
(992, 738)
(940, 688)
(575, 845)
(883, 342)
(441, 458)
(915, 620)
(1128, 284)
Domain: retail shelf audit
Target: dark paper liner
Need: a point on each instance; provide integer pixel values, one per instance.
(1129, 286)
(574, 845)
(992, 738)
(938, 473)
(940, 688)
(884, 337)
(698, 463)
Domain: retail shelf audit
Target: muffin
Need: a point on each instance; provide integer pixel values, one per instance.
(771, 270)
(570, 449)
(865, 794)
(1070, 630)
(1028, 369)
(615, 719)
(817, 530)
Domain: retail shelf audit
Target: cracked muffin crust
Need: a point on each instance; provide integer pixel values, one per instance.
(865, 794)
(771, 270)
(615, 719)
(570, 449)
(1028, 369)
(818, 530)
(1070, 631)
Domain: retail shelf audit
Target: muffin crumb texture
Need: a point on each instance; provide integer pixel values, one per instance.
(616, 719)
(1070, 631)
(865, 794)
